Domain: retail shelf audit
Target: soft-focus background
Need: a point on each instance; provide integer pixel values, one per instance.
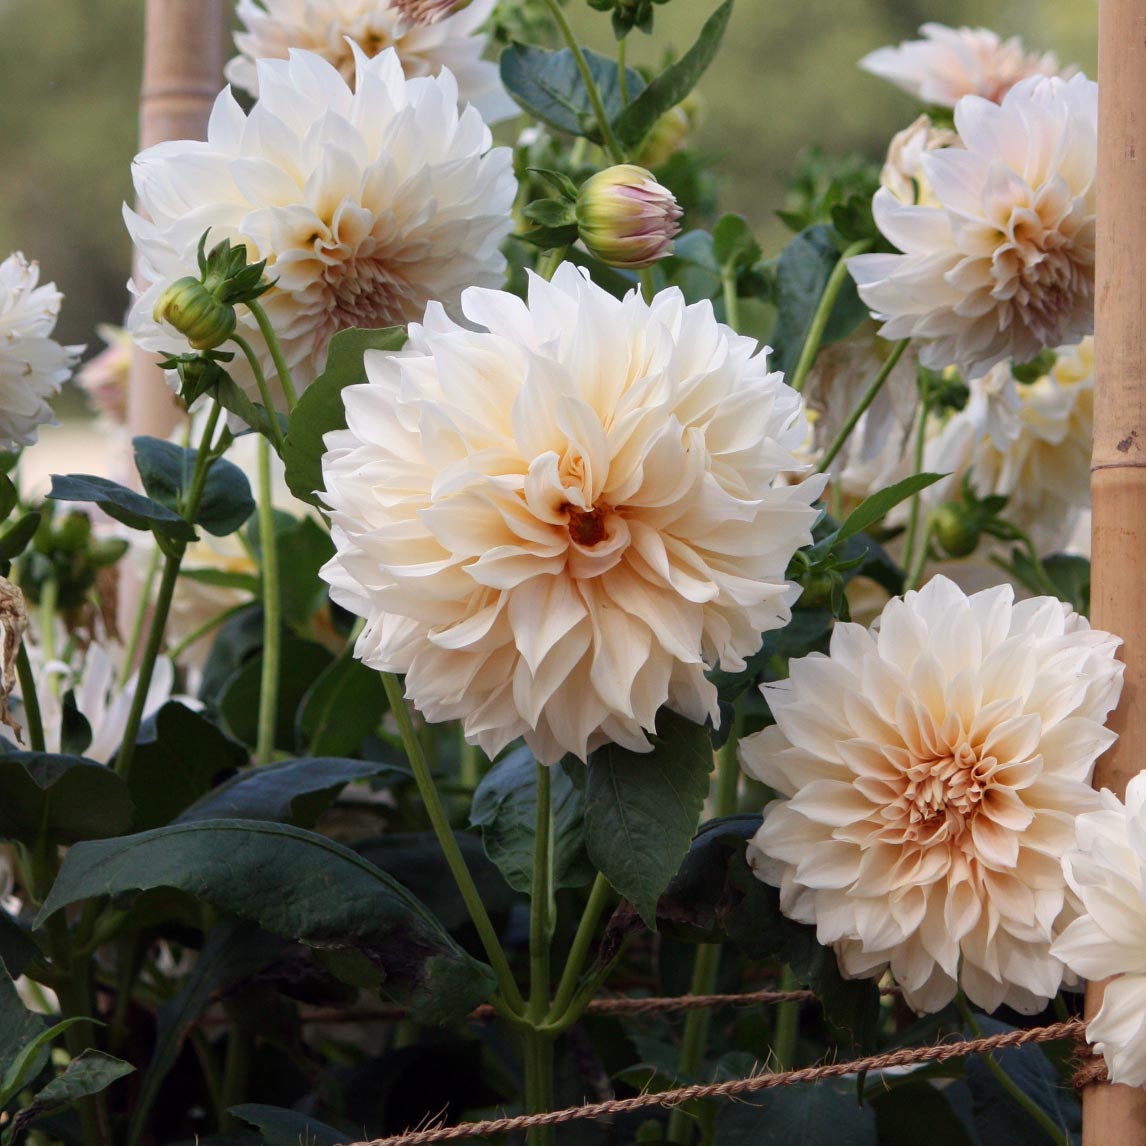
(786, 77)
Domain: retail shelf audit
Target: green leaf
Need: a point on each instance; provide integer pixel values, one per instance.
(280, 1127)
(802, 272)
(642, 809)
(89, 1073)
(179, 755)
(320, 410)
(674, 83)
(298, 885)
(876, 507)
(66, 797)
(345, 704)
(124, 505)
(733, 243)
(505, 808)
(548, 85)
(29, 1059)
(823, 1115)
(14, 540)
(166, 471)
(304, 547)
(18, 1025)
(903, 1109)
(284, 792)
(17, 947)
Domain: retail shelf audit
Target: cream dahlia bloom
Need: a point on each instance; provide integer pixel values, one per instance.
(929, 771)
(949, 63)
(902, 172)
(273, 28)
(366, 204)
(1003, 265)
(555, 523)
(1105, 870)
(33, 367)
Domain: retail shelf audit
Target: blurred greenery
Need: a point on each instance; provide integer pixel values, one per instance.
(786, 79)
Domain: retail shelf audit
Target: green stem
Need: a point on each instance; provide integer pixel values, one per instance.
(622, 77)
(273, 345)
(914, 562)
(236, 1071)
(648, 284)
(469, 763)
(539, 902)
(547, 267)
(731, 298)
(145, 591)
(1056, 1133)
(272, 609)
(869, 396)
(538, 1053)
(567, 988)
(208, 626)
(616, 154)
(454, 858)
(30, 699)
(264, 390)
(823, 312)
(787, 1025)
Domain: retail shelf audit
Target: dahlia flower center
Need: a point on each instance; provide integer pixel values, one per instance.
(942, 794)
(588, 527)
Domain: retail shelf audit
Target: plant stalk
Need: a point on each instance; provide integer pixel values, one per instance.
(274, 346)
(30, 698)
(272, 610)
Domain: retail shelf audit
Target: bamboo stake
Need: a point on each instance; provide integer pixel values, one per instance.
(185, 46)
(1117, 1114)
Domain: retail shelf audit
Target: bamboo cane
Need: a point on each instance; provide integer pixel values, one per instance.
(185, 46)
(1116, 1115)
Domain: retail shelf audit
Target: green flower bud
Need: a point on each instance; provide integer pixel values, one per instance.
(196, 313)
(670, 133)
(955, 529)
(626, 218)
(818, 586)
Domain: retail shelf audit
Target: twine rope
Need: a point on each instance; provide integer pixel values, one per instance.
(909, 1056)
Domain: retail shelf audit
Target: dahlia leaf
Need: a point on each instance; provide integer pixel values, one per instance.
(124, 505)
(824, 1115)
(280, 1127)
(343, 706)
(88, 1073)
(876, 507)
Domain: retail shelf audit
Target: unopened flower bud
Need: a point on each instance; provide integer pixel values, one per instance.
(196, 313)
(670, 133)
(626, 218)
(428, 11)
(955, 530)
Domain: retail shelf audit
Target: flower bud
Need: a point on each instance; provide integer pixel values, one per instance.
(955, 530)
(626, 218)
(196, 313)
(428, 11)
(670, 133)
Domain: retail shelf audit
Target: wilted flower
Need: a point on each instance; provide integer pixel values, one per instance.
(930, 771)
(13, 625)
(451, 40)
(1108, 940)
(365, 204)
(902, 172)
(104, 378)
(554, 524)
(626, 218)
(1004, 265)
(32, 366)
(949, 63)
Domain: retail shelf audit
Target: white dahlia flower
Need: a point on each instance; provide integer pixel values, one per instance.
(366, 204)
(929, 771)
(949, 63)
(902, 172)
(33, 367)
(1108, 940)
(273, 28)
(555, 523)
(1003, 265)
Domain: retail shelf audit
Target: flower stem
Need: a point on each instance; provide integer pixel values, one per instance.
(136, 635)
(454, 858)
(547, 267)
(538, 1054)
(915, 561)
(731, 298)
(616, 154)
(272, 609)
(823, 312)
(1056, 1133)
(275, 347)
(869, 396)
(648, 285)
(622, 77)
(176, 651)
(264, 389)
(30, 698)
(567, 988)
(787, 1025)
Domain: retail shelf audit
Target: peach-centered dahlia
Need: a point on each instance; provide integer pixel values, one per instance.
(1001, 265)
(33, 366)
(949, 63)
(555, 522)
(929, 771)
(273, 28)
(366, 204)
(1108, 940)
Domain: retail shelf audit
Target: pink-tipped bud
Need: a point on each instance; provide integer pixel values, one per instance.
(626, 218)
(428, 11)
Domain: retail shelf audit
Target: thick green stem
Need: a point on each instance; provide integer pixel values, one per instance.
(454, 858)
(537, 1047)
(30, 699)
(1056, 1133)
(648, 285)
(272, 609)
(915, 548)
(547, 267)
(273, 345)
(622, 75)
(840, 440)
(787, 1026)
(731, 298)
(616, 154)
(823, 312)
(599, 897)
(264, 390)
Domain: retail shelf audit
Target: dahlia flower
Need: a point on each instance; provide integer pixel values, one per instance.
(929, 771)
(329, 28)
(33, 367)
(1105, 869)
(949, 63)
(1003, 265)
(626, 218)
(902, 172)
(104, 378)
(555, 523)
(366, 204)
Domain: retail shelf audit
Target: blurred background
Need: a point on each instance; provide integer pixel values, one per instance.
(786, 78)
